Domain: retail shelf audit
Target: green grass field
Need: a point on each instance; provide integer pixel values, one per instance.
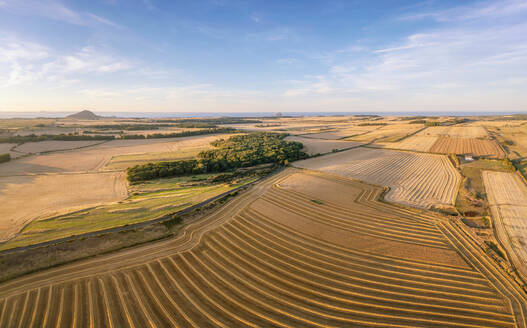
(147, 201)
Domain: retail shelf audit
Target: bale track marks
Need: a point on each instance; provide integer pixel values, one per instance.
(274, 258)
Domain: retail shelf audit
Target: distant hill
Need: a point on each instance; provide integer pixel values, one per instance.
(84, 115)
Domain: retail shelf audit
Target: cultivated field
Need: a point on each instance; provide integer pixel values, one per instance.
(148, 201)
(455, 131)
(322, 146)
(47, 146)
(460, 146)
(415, 142)
(507, 195)
(341, 133)
(388, 133)
(95, 158)
(25, 198)
(420, 180)
(512, 136)
(276, 258)
(40, 185)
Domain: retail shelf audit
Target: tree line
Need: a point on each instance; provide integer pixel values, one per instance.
(179, 134)
(59, 137)
(229, 154)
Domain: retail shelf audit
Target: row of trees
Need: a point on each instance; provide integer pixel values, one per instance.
(219, 120)
(229, 154)
(179, 134)
(61, 137)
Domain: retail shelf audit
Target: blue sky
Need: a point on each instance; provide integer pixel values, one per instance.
(241, 55)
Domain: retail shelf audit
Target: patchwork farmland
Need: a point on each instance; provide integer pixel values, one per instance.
(276, 258)
(407, 174)
(507, 195)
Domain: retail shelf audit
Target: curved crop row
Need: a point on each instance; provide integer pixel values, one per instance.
(263, 261)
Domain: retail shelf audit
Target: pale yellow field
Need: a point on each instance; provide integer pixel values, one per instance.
(322, 146)
(388, 133)
(507, 195)
(95, 158)
(40, 185)
(455, 131)
(415, 179)
(512, 132)
(415, 142)
(6, 147)
(46, 146)
(25, 198)
(340, 133)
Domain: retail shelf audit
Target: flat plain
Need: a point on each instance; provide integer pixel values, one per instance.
(477, 147)
(407, 174)
(39, 186)
(507, 195)
(315, 146)
(421, 143)
(276, 258)
(27, 198)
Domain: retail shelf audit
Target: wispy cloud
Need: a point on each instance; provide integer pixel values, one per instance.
(481, 10)
(55, 10)
(471, 55)
(25, 62)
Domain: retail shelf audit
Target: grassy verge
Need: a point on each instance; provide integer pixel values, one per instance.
(147, 201)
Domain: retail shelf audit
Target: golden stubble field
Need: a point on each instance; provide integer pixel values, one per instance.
(315, 146)
(291, 252)
(451, 140)
(26, 198)
(507, 194)
(415, 179)
(38, 186)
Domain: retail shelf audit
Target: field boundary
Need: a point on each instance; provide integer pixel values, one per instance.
(161, 219)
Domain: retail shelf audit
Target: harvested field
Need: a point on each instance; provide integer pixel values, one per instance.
(455, 131)
(507, 195)
(25, 198)
(342, 133)
(514, 138)
(419, 180)
(460, 146)
(388, 133)
(416, 143)
(268, 264)
(321, 146)
(148, 201)
(47, 146)
(40, 185)
(95, 158)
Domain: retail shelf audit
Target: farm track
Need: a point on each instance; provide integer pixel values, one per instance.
(245, 267)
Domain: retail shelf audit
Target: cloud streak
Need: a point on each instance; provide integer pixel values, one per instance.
(54, 10)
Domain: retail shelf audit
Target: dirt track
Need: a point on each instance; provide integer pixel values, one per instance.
(262, 261)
